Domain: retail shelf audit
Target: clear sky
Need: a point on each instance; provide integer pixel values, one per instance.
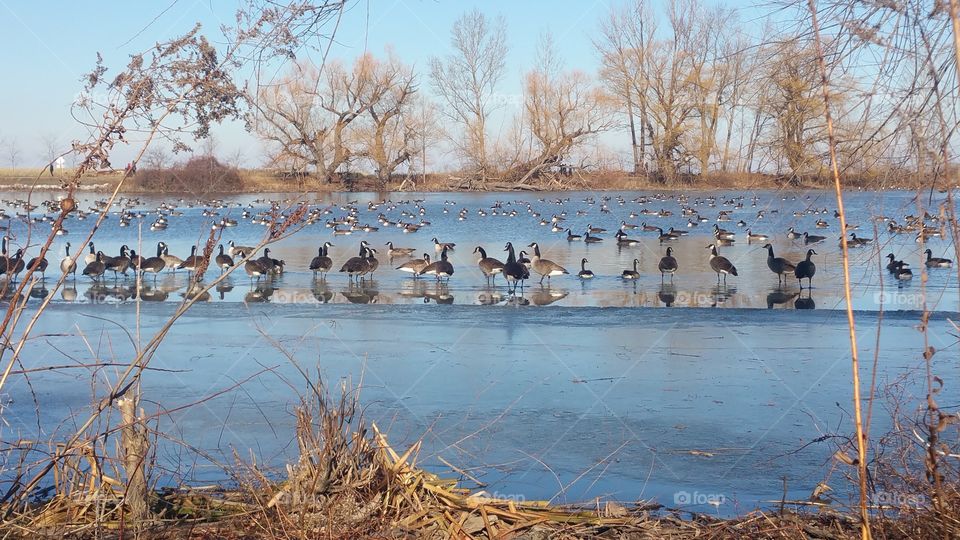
(48, 46)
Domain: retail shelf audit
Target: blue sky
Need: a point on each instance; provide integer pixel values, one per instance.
(50, 45)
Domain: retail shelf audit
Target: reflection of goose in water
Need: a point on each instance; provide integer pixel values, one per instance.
(413, 289)
(805, 303)
(224, 287)
(779, 298)
(39, 293)
(360, 294)
(489, 297)
(97, 293)
(721, 293)
(196, 292)
(545, 296)
(153, 294)
(261, 293)
(439, 294)
(69, 294)
(667, 294)
(321, 291)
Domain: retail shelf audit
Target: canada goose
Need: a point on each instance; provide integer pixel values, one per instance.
(89, 258)
(624, 240)
(545, 267)
(135, 261)
(668, 265)
(595, 230)
(119, 263)
(856, 241)
(39, 264)
(415, 266)
(792, 234)
(191, 263)
(778, 265)
(631, 274)
(514, 271)
(489, 266)
(266, 261)
(439, 246)
(398, 251)
(68, 265)
(892, 265)
(936, 262)
(172, 261)
(665, 237)
(903, 273)
(812, 239)
(372, 262)
(154, 265)
(14, 265)
(756, 237)
(627, 226)
(223, 260)
(95, 269)
(356, 266)
(720, 264)
(573, 237)
(591, 239)
(322, 262)
(806, 269)
(253, 268)
(723, 234)
(239, 251)
(441, 269)
(584, 273)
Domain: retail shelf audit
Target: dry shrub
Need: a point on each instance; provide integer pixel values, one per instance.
(204, 174)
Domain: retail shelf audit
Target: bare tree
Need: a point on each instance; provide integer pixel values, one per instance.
(387, 137)
(562, 110)
(467, 79)
(49, 148)
(157, 158)
(12, 150)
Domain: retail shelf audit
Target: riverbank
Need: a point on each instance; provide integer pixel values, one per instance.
(268, 181)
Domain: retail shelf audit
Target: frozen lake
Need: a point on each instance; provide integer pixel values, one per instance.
(589, 397)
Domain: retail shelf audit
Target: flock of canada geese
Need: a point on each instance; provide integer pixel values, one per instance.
(529, 263)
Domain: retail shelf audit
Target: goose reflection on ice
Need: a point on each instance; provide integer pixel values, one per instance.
(362, 293)
(321, 291)
(779, 297)
(260, 293)
(544, 296)
(667, 294)
(224, 287)
(489, 296)
(440, 294)
(153, 294)
(805, 303)
(721, 293)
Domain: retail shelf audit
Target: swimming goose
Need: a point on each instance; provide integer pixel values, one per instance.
(778, 265)
(631, 274)
(903, 273)
(751, 237)
(545, 267)
(223, 260)
(723, 234)
(720, 264)
(584, 273)
(95, 269)
(624, 240)
(936, 262)
(591, 239)
(398, 251)
(154, 265)
(665, 237)
(856, 241)
(440, 246)
(514, 271)
(573, 237)
(322, 262)
(489, 266)
(68, 265)
(792, 234)
(812, 239)
(668, 265)
(415, 266)
(441, 269)
(806, 269)
(595, 230)
(892, 265)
